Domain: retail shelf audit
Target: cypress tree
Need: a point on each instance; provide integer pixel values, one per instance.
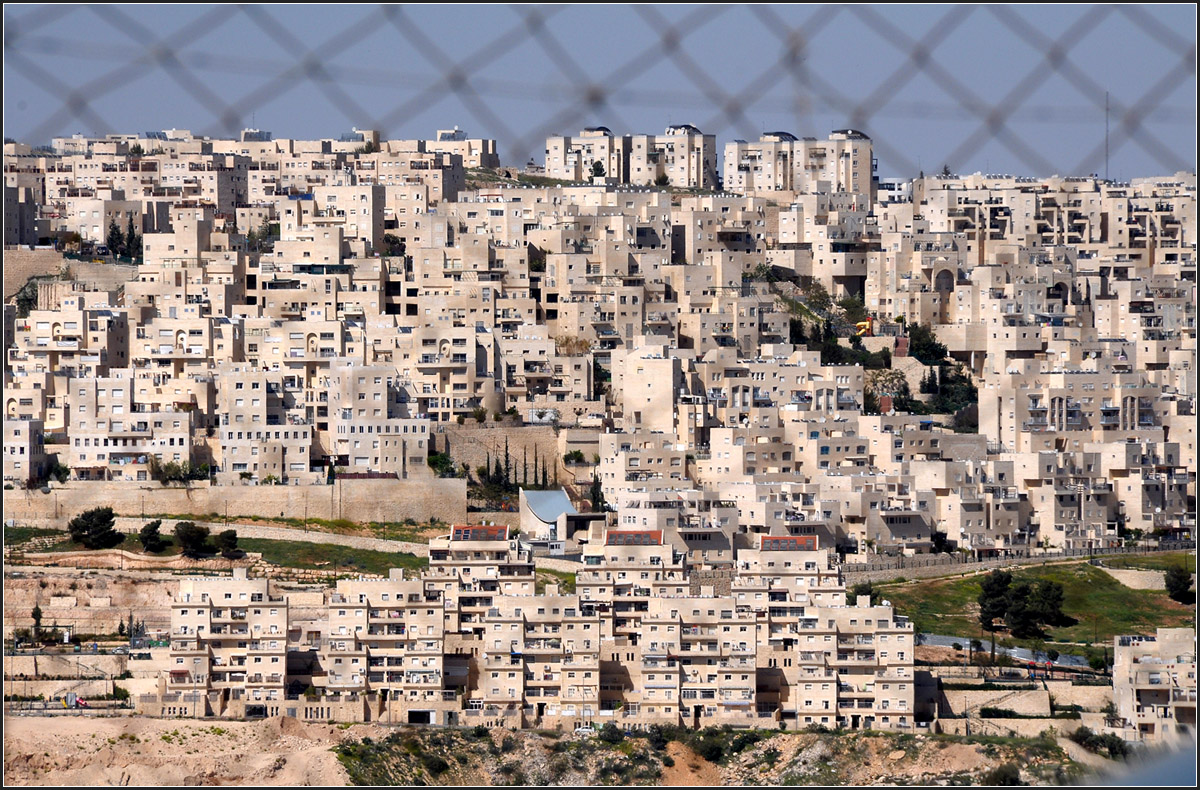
(132, 240)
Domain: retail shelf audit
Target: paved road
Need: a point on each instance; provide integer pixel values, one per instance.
(1019, 653)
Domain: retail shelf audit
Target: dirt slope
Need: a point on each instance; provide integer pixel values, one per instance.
(141, 751)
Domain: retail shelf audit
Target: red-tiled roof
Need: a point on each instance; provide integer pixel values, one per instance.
(481, 532)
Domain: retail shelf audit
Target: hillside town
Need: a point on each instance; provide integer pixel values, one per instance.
(745, 368)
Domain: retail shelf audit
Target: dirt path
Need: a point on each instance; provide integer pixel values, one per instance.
(1137, 579)
(689, 770)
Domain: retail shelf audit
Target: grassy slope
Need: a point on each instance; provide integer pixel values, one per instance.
(1154, 562)
(330, 557)
(1102, 606)
(564, 580)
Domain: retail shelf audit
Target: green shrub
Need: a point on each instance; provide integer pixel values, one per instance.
(710, 750)
(435, 765)
(1114, 745)
(743, 741)
(1006, 775)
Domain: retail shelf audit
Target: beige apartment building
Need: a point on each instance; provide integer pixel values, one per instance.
(25, 459)
(1154, 684)
(229, 649)
(472, 640)
(113, 437)
(682, 154)
(1069, 301)
(781, 162)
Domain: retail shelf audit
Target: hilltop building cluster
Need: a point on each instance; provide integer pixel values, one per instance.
(302, 305)
(473, 640)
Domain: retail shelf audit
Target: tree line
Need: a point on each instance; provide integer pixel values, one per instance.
(96, 529)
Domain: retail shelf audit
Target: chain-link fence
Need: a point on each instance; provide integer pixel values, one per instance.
(1035, 89)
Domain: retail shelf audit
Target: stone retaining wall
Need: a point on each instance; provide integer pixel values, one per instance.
(1024, 728)
(1090, 698)
(65, 665)
(1031, 702)
(356, 500)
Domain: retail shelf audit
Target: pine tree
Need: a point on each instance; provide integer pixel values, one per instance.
(507, 465)
(525, 466)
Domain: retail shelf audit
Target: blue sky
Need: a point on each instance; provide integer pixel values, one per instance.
(1003, 89)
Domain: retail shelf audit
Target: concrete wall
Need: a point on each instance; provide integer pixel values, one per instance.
(356, 500)
(20, 265)
(509, 519)
(565, 566)
(1090, 698)
(65, 665)
(1032, 702)
(472, 442)
(1025, 728)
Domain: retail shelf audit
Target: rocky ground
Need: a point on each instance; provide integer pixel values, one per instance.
(141, 751)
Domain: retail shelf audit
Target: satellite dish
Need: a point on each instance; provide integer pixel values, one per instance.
(45, 489)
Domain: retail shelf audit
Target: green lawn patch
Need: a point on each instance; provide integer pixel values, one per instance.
(15, 536)
(1101, 606)
(1153, 562)
(326, 556)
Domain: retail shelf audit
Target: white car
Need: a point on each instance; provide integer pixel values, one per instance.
(586, 729)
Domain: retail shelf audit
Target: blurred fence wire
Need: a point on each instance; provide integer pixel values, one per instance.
(124, 49)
